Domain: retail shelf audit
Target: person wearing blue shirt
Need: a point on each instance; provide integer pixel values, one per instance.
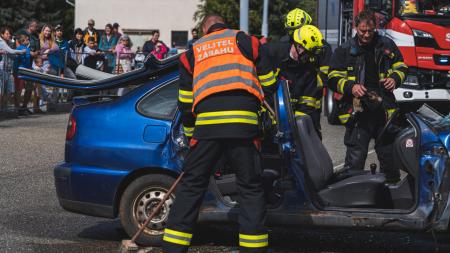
(24, 61)
(58, 60)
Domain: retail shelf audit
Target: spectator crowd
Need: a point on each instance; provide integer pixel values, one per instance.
(44, 48)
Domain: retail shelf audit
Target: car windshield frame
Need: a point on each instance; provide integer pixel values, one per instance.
(436, 5)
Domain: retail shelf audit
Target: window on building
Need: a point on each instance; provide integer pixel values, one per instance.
(179, 39)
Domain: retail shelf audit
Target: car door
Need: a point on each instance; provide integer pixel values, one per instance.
(161, 131)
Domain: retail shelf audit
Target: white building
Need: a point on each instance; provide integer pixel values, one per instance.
(139, 18)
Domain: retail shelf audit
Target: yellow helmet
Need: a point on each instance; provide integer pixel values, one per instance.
(297, 18)
(309, 37)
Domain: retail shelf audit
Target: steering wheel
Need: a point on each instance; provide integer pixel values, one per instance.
(384, 131)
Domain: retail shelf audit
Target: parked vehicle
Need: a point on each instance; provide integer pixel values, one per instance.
(420, 29)
(122, 155)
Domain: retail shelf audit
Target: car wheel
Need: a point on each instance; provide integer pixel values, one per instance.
(331, 109)
(138, 201)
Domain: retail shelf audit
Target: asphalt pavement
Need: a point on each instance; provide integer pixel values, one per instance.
(31, 219)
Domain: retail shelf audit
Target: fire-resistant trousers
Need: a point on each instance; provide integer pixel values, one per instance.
(199, 165)
(357, 138)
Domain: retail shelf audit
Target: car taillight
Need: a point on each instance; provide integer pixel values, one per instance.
(71, 128)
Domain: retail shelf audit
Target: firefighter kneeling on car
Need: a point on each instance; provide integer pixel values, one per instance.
(222, 83)
(366, 70)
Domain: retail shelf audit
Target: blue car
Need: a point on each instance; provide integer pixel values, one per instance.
(123, 153)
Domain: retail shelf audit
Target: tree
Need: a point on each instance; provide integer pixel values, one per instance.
(17, 13)
(229, 9)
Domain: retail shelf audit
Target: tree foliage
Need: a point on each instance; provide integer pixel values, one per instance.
(17, 13)
(229, 9)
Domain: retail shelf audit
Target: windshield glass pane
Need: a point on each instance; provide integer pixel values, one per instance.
(423, 7)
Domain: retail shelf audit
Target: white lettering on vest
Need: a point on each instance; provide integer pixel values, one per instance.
(214, 48)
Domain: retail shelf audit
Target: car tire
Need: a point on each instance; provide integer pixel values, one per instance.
(331, 109)
(136, 203)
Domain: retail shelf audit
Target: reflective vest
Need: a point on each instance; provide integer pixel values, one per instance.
(220, 66)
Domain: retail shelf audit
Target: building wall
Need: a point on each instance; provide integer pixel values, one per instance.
(165, 16)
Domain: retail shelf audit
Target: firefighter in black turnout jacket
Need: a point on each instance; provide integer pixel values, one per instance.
(366, 70)
(223, 79)
(303, 62)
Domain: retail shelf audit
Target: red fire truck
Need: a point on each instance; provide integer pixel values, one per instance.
(421, 30)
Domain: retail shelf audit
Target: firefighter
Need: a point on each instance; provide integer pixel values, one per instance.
(307, 90)
(222, 83)
(303, 63)
(366, 70)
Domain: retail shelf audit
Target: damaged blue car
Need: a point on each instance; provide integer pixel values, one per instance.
(123, 153)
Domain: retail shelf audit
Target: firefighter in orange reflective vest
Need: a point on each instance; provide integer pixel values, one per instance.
(222, 83)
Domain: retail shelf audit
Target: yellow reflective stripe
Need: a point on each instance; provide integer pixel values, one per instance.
(186, 93)
(277, 72)
(253, 241)
(352, 78)
(225, 121)
(188, 131)
(324, 69)
(254, 245)
(226, 113)
(177, 237)
(253, 237)
(299, 113)
(268, 79)
(176, 241)
(177, 233)
(336, 73)
(266, 76)
(341, 85)
(226, 117)
(268, 83)
(381, 75)
(344, 117)
(319, 81)
(186, 100)
(185, 96)
(398, 65)
(307, 99)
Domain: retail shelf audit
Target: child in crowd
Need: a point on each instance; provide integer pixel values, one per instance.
(42, 91)
(160, 51)
(24, 61)
(92, 54)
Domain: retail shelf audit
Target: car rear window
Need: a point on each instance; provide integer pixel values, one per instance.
(161, 103)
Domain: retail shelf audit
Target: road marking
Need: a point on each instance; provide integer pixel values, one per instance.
(337, 167)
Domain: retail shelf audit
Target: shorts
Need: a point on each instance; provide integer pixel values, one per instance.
(19, 84)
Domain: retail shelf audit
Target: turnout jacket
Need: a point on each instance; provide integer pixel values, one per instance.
(307, 79)
(348, 67)
(223, 78)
